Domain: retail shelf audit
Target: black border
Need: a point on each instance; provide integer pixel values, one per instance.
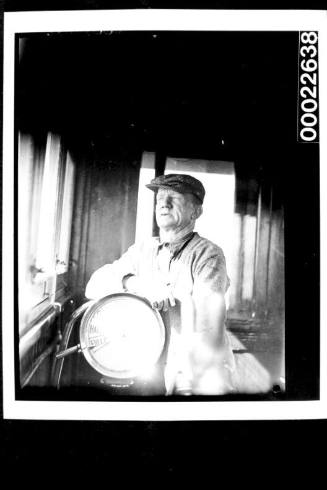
(282, 447)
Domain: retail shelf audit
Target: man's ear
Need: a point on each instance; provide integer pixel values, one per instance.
(198, 211)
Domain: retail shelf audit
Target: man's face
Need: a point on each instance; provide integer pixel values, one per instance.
(174, 211)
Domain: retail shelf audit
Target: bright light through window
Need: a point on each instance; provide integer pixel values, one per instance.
(45, 203)
(217, 222)
(47, 228)
(218, 178)
(145, 203)
(66, 216)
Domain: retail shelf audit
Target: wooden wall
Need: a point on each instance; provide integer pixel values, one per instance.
(260, 258)
(104, 215)
(256, 316)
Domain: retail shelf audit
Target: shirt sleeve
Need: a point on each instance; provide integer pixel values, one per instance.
(210, 274)
(108, 279)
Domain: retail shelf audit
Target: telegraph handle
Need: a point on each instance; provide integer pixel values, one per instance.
(67, 352)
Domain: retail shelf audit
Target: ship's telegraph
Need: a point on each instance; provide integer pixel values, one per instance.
(121, 336)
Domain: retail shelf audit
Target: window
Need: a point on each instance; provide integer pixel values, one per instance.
(218, 179)
(145, 201)
(45, 201)
(66, 207)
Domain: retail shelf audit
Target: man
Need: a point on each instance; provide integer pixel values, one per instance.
(184, 276)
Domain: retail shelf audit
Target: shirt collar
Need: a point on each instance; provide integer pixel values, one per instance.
(179, 242)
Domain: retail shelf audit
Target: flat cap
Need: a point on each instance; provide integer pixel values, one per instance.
(180, 183)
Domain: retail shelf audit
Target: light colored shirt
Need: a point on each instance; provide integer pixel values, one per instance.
(192, 265)
(188, 265)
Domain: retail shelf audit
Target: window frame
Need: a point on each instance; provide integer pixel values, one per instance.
(47, 206)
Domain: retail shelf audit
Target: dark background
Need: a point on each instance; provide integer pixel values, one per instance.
(171, 447)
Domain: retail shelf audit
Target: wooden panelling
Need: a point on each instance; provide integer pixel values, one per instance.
(260, 261)
(104, 217)
(256, 321)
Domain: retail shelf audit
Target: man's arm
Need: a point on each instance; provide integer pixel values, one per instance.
(159, 294)
(210, 356)
(108, 279)
(122, 275)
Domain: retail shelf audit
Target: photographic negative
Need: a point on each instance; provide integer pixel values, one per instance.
(96, 114)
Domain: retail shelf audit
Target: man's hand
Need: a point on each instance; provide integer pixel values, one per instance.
(212, 367)
(159, 295)
(208, 359)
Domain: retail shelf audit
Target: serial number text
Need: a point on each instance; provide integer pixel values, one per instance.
(308, 87)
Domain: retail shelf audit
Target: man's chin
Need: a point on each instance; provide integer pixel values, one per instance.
(165, 221)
